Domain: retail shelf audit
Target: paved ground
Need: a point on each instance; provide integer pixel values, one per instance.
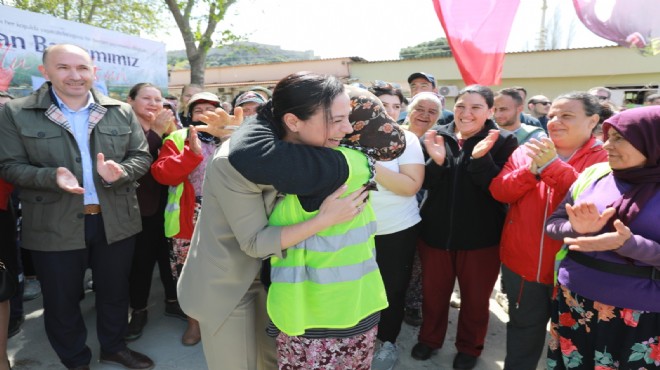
(161, 341)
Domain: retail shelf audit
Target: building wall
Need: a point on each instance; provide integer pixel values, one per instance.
(548, 73)
(232, 79)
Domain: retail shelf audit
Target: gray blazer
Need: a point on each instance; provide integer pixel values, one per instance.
(231, 238)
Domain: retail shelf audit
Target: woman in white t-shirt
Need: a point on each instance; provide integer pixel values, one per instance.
(397, 214)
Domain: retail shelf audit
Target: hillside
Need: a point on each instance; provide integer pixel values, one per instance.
(240, 53)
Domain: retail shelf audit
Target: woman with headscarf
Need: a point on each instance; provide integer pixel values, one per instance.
(606, 314)
(181, 165)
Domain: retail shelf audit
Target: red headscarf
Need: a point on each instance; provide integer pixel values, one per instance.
(640, 127)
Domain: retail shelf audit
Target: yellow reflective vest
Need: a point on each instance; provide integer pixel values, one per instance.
(330, 280)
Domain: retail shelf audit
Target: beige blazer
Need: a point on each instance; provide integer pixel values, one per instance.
(230, 240)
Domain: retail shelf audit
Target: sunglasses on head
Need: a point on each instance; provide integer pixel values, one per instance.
(379, 84)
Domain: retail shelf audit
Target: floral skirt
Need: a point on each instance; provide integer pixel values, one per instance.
(179, 247)
(586, 334)
(300, 353)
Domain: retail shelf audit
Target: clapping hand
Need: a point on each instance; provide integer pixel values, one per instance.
(602, 242)
(164, 122)
(67, 181)
(541, 151)
(585, 219)
(109, 170)
(435, 147)
(194, 143)
(486, 144)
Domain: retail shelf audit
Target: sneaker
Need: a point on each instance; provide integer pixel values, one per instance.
(455, 300)
(128, 359)
(32, 289)
(173, 309)
(463, 361)
(385, 357)
(15, 326)
(503, 301)
(413, 316)
(422, 352)
(135, 326)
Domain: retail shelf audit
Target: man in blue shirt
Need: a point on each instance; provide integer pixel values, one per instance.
(76, 154)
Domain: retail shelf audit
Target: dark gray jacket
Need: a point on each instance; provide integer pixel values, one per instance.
(35, 139)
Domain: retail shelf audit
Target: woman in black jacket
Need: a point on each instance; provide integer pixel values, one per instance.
(461, 224)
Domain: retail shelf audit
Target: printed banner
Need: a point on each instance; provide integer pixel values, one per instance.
(122, 60)
(477, 31)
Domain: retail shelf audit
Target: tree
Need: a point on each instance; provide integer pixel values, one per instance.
(197, 42)
(126, 16)
(436, 48)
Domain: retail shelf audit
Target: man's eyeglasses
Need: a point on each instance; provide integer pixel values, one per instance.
(601, 98)
(542, 102)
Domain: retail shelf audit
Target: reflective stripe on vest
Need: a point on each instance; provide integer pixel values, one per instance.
(174, 193)
(323, 276)
(333, 243)
(330, 280)
(586, 178)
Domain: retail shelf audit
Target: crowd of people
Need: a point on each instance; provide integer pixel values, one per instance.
(299, 228)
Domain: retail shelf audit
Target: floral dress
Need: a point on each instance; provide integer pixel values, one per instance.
(632, 340)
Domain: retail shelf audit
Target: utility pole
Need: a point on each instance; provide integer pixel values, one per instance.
(543, 32)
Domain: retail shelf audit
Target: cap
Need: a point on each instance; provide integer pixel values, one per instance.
(427, 76)
(204, 96)
(261, 88)
(249, 96)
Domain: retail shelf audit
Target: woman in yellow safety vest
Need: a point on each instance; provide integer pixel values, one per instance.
(326, 292)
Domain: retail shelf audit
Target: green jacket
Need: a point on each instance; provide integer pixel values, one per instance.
(35, 139)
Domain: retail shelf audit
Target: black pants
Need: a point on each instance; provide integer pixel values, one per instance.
(394, 255)
(61, 275)
(10, 254)
(8, 249)
(529, 313)
(150, 247)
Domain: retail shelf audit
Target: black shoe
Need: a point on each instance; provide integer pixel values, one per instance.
(422, 352)
(463, 361)
(413, 316)
(84, 367)
(127, 358)
(172, 309)
(135, 326)
(15, 326)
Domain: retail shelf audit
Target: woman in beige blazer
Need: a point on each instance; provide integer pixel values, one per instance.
(219, 285)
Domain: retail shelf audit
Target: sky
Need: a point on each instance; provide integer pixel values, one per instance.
(376, 29)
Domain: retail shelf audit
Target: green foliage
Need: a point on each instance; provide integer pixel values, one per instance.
(197, 21)
(126, 16)
(436, 48)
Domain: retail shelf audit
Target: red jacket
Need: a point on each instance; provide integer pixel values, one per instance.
(173, 168)
(525, 247)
